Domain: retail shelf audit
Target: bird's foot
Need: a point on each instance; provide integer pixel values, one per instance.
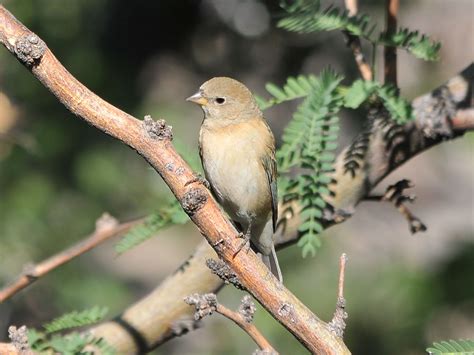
(245, 243)
(200, 179)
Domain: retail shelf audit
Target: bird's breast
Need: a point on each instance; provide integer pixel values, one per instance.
(232, 161)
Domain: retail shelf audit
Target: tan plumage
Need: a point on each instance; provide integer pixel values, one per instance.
(237, 151)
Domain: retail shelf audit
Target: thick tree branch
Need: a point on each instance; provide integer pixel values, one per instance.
(152, 141)
(106, 227)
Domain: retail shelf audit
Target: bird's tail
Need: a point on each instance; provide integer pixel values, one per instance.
(271, 261)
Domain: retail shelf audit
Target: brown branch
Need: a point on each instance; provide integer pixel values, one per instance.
(390, 53)
(342, 273)
(152, 140)
(19, 342)
(8, 349)
(249, 328)
(354, 43)
(106, 228)
(338, 322)
(464, 120)
(207, 304)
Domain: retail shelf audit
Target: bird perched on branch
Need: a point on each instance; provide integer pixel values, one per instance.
(237, 151)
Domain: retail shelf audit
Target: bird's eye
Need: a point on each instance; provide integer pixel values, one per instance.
(220, 100)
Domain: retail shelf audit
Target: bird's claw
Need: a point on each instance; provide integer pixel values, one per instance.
(200, 179)
(245, 243)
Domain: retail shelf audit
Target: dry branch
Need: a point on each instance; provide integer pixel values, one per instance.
(207, 304)
(354, 43)
(338, 322)
(152, 140)
(106, 227)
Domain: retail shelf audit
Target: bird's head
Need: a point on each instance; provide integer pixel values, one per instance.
(225, 99)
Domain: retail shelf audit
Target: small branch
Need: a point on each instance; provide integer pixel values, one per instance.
(207, 304)
(8, 349)
(394, 194)
(464, 120)
(338, 322)
(106, 228)
(342, 272)
(354, 42)
(390, 53)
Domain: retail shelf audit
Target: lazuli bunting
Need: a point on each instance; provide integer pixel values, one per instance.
(237, 150)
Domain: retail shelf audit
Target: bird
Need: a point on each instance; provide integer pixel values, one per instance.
(237, 150)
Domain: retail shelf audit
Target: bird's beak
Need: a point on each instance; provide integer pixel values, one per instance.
(197, 98)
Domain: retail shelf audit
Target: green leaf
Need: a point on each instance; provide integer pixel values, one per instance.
(36, 339)
(420, 46)
(169, 215)
(305, 16)
(308, 140)
(452, 347)
(293, 89)
(400, 110)
(358, 92)
(276, 91)
(76, 319)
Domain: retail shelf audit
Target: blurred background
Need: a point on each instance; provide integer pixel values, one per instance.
(58, 175)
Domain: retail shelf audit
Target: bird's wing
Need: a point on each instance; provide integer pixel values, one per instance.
(269, 164)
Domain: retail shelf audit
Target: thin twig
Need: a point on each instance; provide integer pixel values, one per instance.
(394, 194)
(338, 322)
(354, 42)
(207, 304)
(342, 271)
(390, 53)
(249, 328)
(106, 228)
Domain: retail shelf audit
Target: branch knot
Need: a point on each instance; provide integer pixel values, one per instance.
(19, 338)
(30, 49)
(193, 200)
(205, 304)
(247, 308)
(221, 269)
(157, 129)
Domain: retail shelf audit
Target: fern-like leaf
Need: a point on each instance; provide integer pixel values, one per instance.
(421, 46)
(172, 214)
(308, 142)
(361, 90)
(305, 16)
(76, 319)
(294, 88)
(72, 344)
(452, 347)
